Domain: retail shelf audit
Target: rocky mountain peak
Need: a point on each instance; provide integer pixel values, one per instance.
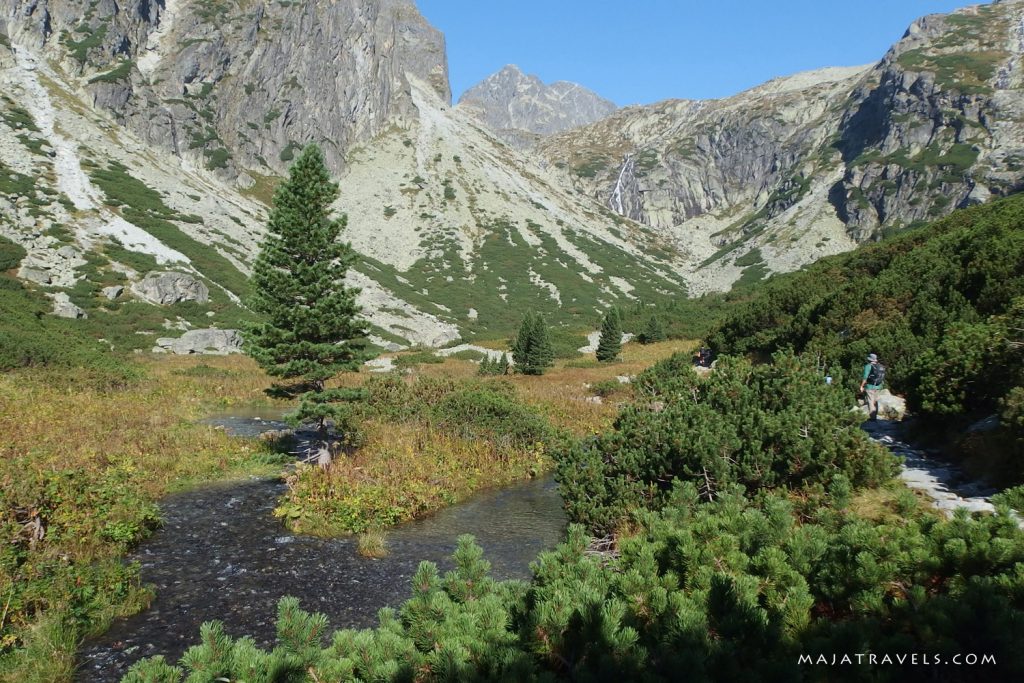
(520, 108)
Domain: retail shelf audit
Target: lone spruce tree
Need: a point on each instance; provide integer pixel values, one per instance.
(610, 343)
(311, 329)
(531, 349)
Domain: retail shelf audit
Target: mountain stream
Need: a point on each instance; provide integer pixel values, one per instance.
(222, 555)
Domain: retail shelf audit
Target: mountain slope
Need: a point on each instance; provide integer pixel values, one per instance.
(521, 109)
(239, 85)
(460, 232)
(812, 164)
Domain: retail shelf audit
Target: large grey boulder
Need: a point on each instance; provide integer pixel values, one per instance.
(211, 342)
(165, 288)
(113, 292)
(890, 406)
(63, 308)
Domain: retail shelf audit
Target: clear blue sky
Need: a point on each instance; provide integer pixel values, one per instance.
(641, 51)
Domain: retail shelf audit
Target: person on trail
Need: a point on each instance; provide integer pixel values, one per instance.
(871, 384)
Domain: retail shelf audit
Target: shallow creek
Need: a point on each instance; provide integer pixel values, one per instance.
(222, 555)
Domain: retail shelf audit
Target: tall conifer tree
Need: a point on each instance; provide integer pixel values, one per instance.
(532, 351)
(610, 343)
(311, 329)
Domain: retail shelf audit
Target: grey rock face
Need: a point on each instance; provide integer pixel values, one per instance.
(937, 124)
(207, 341)
(63, 308)
(165, 288)
(521, 108)
(113, 292)
(242, 85)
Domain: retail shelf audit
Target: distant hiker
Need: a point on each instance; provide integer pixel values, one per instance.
(871, 384)
(704, 357)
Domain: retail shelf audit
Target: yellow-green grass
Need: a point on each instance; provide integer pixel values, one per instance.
(401, 472)
(132, 444)
(83, 466)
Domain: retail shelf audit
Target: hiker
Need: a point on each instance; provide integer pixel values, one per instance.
(871, 384)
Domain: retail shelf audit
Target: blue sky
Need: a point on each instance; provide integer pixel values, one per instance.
(641, 51)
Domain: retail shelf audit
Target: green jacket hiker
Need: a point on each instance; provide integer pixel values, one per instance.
(871, 384)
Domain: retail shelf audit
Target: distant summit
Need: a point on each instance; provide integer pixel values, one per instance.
(520, 108)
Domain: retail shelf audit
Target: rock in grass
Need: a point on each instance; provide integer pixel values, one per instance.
(212, 342)
(164, 288)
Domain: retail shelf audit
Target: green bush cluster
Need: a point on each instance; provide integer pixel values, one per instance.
(480, 409)
(11, 254)
(31, 337)
(732, 589)
(761, 426)
(411, 360)
(943, 306)
(490, 367)
(46, 510)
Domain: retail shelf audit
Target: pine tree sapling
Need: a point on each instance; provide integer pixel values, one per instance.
(532, 351)
(610, 343)
(310, 329)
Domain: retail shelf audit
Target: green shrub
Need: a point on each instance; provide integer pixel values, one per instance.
(418, 358)
(11, 254)
(492, 411)
(938, 304)
(761, 426)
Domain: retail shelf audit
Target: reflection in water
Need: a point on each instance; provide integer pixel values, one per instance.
(222, 555)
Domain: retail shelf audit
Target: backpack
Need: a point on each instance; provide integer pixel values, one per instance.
(876, 375)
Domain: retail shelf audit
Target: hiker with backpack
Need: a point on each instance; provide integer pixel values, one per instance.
(871, 384)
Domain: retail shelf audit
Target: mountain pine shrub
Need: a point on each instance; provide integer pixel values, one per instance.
(761, 426)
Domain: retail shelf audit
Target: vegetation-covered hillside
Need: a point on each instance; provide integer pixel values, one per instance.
(943, 306)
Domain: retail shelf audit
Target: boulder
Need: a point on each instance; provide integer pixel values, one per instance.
(890, 406)
(63, 308)
(113, 292)
(164, 288)
(211, 342)
(36, 275)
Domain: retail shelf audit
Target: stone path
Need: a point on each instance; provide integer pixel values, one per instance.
(925, 470)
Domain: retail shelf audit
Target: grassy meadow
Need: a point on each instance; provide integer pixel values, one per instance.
(87, 456)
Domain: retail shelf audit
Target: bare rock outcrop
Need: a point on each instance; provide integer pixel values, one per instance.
(211, 342)
(164, 288)
(63, 308)
(242, 85)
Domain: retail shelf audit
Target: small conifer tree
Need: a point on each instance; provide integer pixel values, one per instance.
(311, 329)
(610, 343)
(531, 349)
(503, 365)
(653, 332)
(486, 367)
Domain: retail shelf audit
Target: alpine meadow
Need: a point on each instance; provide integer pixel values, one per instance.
(310, 371)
